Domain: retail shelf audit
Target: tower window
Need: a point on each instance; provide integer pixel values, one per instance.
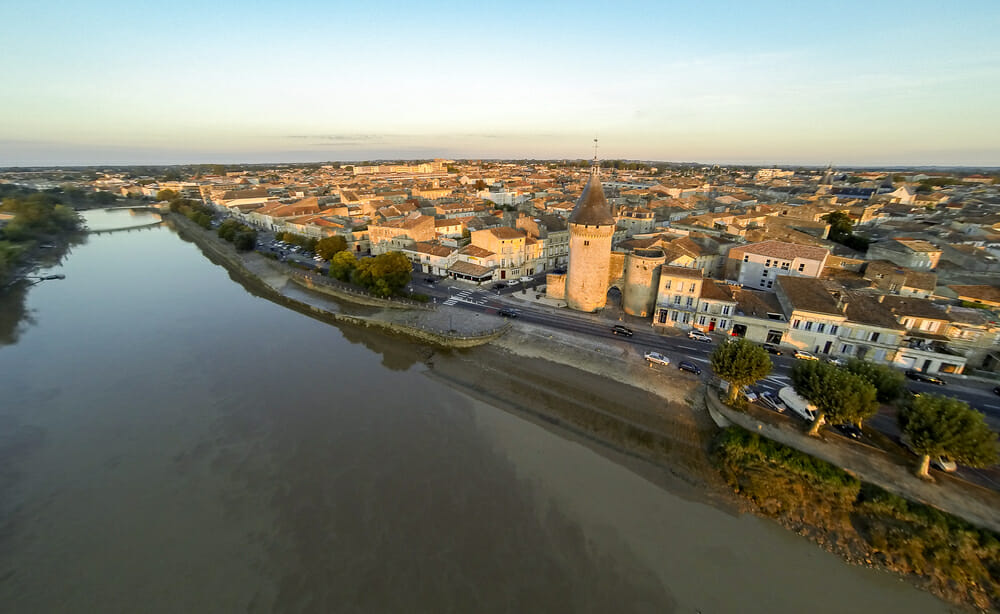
(586, 243)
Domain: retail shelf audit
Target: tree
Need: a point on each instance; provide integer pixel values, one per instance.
(840, 223)
(934, 425)
(741, 363)
(342, 265)
(839, 395)
(327, 247)
(166, 195)
(245, 241)
(889, 383)
(383, 275)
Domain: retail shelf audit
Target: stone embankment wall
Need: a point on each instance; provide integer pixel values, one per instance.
(973, 503)
(312, 282)
(267, 277)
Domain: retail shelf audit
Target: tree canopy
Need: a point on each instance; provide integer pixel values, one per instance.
(342, 265)
(935, 425)
(327, 247)
(740, 363)
(839, 395)
(889, 383)
(383, 275)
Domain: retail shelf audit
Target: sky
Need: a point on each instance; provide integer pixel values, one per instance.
(881, 82)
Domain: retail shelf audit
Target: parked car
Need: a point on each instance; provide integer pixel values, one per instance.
(849, 430)
(769, 400)
(499, 286)
(690, 367)
(838, 362)
(941, 463)
(750, 394)
(697, 335)
(804, 355)
(430, 280)
(797, 404)
(525, 280)
(923, 377)
(507, 313)
(657, 358)
(618, 329)
(512, 282)
(770, 347)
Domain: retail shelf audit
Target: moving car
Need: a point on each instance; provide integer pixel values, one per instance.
(749, 393)
(618, 329)
(923, 377)
(770, 347)
(525, 280)
(804, 355)
(849, 430)
(507, 313)
(430, 280)
(512, 282)
(697, 335)
(658, 358)
(838, 362)
(690, 367)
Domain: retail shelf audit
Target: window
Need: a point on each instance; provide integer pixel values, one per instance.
(725, 310)
(833, 329)
(704, 306)
(768, 263)
(723, 324)
(673, 316)
(746, 258)
(802, 267)
(873, 337)
(770, 283)
(845, 349)
(663, 316)
(690, 301)
(666, 285)
(820, 327)
(763, 282)
(677, 300)
(785, 265)
(691, 288)
(686, 318)
(585, 243)
(809, 325)
(795, 323)
(701, 320)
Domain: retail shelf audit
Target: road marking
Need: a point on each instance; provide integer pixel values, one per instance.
(684, 347)
(992, 406)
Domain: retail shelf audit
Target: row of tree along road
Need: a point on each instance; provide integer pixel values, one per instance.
(932, 425)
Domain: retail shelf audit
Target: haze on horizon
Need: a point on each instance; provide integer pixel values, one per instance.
(887, 83)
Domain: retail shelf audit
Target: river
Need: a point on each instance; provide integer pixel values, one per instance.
(170, 442)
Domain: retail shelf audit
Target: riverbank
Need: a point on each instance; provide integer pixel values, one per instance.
(439, 327)
(598, 392)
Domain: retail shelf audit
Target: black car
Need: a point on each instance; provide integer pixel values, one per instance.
(923, 377)
(770, 347)
(431, 280)
(849, 430)
(507, 313)
(690, 367)
(618, 329)
(499, 286)
(559, 270)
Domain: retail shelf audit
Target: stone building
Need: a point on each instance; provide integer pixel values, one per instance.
(591, 229)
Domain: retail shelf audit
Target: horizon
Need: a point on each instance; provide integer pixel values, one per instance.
(301, 82)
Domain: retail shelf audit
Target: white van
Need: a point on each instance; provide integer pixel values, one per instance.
(797, 404)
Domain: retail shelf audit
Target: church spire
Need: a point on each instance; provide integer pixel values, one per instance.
(595, 167)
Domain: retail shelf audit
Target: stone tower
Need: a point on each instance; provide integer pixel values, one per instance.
(642, 281)
(591, 227)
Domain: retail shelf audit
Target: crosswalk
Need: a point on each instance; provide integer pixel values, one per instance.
(473, 297)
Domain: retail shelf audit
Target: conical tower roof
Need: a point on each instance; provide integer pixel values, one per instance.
(592, 208)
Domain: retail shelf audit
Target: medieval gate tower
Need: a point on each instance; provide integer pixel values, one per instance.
(591, 226)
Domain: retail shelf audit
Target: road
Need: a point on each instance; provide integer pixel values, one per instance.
(678, 347)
